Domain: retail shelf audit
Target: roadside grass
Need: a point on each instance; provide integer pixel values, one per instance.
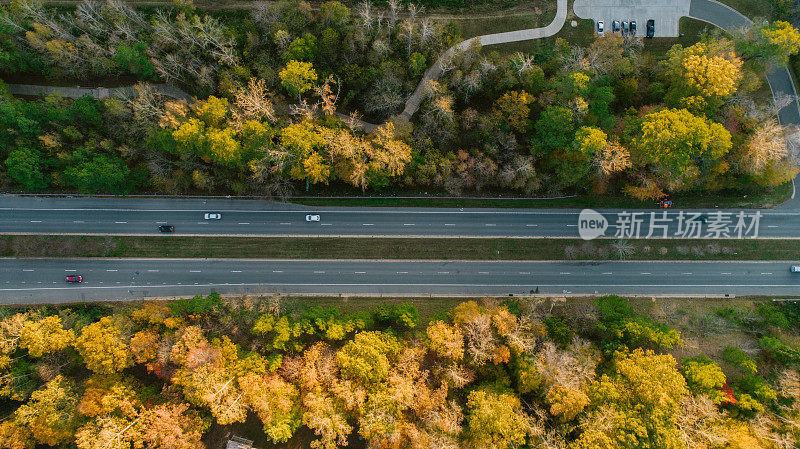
(752, 8)
(21, 246)
(728, 199)
(471, 24)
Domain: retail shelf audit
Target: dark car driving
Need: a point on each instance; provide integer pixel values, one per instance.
(166, 228)
(651, 28)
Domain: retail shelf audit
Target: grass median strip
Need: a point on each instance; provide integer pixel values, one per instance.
(394, 248)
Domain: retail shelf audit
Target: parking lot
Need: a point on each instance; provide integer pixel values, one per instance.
(666, 13)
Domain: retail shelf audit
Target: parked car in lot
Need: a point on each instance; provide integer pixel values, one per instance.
(209, 216)
(624, 27)
(633, 27)
(74, 278)
(166, 228)
(615, 25)
(795, 269)
(651, 28)
(600, 27)
(312, 217)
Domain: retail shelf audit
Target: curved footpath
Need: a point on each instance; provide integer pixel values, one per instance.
(435, 71)
(412, 104)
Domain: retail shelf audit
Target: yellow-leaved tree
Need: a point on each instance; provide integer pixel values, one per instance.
(104, 345)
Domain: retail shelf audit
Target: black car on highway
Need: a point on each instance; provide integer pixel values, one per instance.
(651, 28)
(166, 228)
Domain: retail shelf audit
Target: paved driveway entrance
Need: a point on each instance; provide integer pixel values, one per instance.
(665, 12)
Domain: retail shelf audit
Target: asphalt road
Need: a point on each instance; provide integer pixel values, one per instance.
(120, 216)
(42, 280)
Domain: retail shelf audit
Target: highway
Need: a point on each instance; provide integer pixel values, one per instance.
(42, 280)
(124, 216)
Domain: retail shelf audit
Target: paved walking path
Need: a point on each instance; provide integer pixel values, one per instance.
(433, 72)
(412, 104)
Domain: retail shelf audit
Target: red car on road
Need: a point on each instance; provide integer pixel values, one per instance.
(74, 278)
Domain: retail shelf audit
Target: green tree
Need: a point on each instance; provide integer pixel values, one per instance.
(101, 173)
(417, 64)
(555, 129)
(301, 49)
(25, 167)
(298, 77)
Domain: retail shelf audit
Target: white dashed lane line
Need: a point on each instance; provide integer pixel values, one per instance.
(408, 224)
(368, 224)
(319, 272)
(608, 272)
(195, 271)
(235, 271)
(686, 273)
(36, 221)
(277, 271)
(27, 269)
(766, 273)
(112, 270)
(244, 223)
(153, 271)
(645, 273)
(563, 272)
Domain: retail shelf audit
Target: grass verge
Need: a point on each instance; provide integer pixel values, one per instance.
(395, 248)
(760, 200)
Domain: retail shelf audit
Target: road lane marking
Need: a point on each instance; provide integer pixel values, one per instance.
(490, 224)
(408, 224)
(326, 224)
(483, 272)
(524, 272)
(772, 226)
(645, 273)
(442, 272)
(608, 272)
(112, 270)
(766, 273)
(195, 271)
(36, 221)
(353, 284)
(244, 223)
(564, 273)
(449, 224)
(277, 271)
(530, 225)
(120, 222)
(724, 273)
(571, 226)
(235, 271)
(360, 272)
(686, 273)
(153, 271)
(161, 222)
(70, 270)
(319, 272)
(27, 269)
(402, 272)
(78, 221)
(285, 223)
